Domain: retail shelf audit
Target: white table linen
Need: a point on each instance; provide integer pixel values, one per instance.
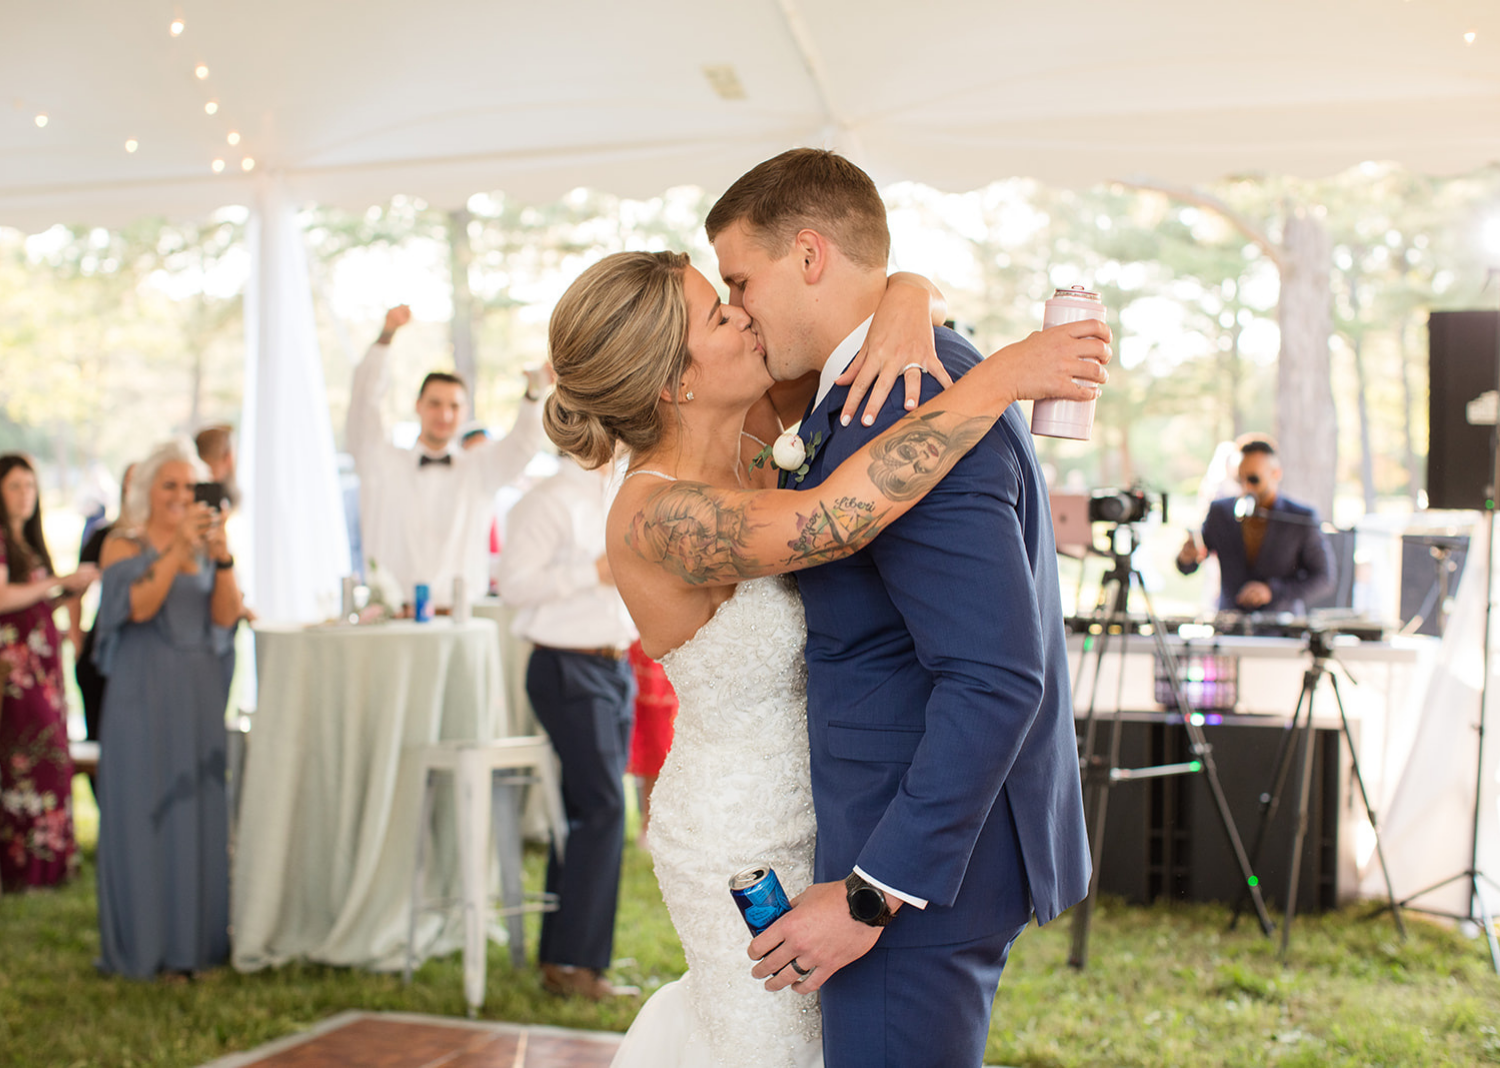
(332, 793)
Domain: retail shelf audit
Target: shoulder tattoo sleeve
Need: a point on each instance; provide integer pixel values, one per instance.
(693, 535)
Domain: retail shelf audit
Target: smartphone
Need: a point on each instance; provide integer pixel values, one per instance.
(211, 494)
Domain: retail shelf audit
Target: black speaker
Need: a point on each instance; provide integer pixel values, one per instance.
(1462, 367)
(1163, 837)
(1421, 581)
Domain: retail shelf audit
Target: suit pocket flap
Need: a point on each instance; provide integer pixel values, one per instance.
(881, 745)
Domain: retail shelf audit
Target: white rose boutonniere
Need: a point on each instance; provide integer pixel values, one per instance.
(790, 453)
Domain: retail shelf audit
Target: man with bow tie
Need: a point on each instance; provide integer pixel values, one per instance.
(425, 510)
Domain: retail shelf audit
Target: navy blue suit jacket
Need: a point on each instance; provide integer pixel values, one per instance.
(1295, 559)
(940, 717)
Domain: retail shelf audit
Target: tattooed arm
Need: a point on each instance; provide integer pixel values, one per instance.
(706, 536)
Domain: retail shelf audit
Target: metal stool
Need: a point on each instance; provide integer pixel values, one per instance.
(488, 780)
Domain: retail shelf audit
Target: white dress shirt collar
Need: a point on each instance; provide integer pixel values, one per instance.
(842, 357)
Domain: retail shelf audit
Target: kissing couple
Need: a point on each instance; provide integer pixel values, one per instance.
(892, 730)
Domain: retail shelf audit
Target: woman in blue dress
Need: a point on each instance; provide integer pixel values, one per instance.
(166, 622)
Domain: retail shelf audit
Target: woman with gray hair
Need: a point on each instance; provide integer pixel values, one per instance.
(166, 622)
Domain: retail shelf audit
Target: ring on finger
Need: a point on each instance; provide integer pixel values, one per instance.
(909, 366)
(802, 973)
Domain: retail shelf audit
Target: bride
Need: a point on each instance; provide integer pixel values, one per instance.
(649, 360)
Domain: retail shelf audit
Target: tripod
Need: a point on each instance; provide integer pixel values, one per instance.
(1100, 773)
(1319, 644)
(1472, 875)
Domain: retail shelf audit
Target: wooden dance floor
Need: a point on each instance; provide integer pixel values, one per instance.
(405, 1040)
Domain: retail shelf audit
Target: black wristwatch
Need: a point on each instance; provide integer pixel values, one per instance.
(223, 565)
(866, 901)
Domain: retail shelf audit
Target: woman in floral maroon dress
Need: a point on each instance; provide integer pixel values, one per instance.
(36, 773)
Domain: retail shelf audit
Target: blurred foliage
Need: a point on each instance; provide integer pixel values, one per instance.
(112, 338)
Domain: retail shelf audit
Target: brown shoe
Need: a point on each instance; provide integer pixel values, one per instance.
(566, 981)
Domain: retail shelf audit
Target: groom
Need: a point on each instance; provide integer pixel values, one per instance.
(944, 765)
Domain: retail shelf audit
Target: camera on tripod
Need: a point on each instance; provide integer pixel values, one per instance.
(1125, 505)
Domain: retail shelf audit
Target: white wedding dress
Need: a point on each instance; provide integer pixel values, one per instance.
(735, 790)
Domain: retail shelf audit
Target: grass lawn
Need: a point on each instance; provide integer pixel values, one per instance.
(1165, 986)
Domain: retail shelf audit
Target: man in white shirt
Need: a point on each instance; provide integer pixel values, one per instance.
(554, 571)
(425, 511)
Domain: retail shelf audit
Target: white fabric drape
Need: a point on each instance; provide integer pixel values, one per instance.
(1426, 832)
(298, 549)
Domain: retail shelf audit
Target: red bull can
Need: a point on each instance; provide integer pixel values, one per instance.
(759, 895)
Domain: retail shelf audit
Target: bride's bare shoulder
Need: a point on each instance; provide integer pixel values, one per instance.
(666, 610)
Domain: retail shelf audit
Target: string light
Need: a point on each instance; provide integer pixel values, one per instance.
(132, 144)
(218, 166)
(1469, 37)
(247, 164)
(201, 70)
(233, 138)
(41, 120)
(177, 27)
(211, 108)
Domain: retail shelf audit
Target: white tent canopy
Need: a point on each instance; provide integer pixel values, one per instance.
(350, 104)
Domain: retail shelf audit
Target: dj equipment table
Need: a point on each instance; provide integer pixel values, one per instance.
(1163, 836)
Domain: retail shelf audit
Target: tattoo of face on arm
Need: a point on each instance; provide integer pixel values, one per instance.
(918, 454)
(693, 536)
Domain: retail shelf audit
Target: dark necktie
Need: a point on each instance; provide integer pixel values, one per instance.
(446, 460)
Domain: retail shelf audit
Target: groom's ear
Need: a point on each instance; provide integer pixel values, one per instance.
(811, 249)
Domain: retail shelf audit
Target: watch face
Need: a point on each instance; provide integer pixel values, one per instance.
(866, 903)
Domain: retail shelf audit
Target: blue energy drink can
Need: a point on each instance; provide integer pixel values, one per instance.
(758, 893)
(422, 604)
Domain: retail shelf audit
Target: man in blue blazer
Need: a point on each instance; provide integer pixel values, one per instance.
(944, 761)
(1273, 555)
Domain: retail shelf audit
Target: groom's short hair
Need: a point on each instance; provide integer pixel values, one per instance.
(807, 189)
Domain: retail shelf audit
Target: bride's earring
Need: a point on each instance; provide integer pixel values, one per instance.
(688, 395)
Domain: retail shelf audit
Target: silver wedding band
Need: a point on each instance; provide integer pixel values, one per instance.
(801, 973)
(909, 366)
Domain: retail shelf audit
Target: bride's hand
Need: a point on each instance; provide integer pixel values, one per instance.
(1063, 362)
(900, 345)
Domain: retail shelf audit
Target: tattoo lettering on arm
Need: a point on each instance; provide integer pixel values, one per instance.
(912, 460)
(693, 535)
(833, 530)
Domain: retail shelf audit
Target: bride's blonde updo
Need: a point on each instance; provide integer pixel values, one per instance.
(617, 338)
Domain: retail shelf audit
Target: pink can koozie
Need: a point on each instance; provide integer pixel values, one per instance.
(1063, 418)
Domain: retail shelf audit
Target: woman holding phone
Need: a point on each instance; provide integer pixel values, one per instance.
(166, 622)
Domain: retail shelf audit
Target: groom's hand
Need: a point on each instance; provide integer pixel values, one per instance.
(819, 934)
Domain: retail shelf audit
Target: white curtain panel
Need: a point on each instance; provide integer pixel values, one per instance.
(1427, 832)
(299, 549)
